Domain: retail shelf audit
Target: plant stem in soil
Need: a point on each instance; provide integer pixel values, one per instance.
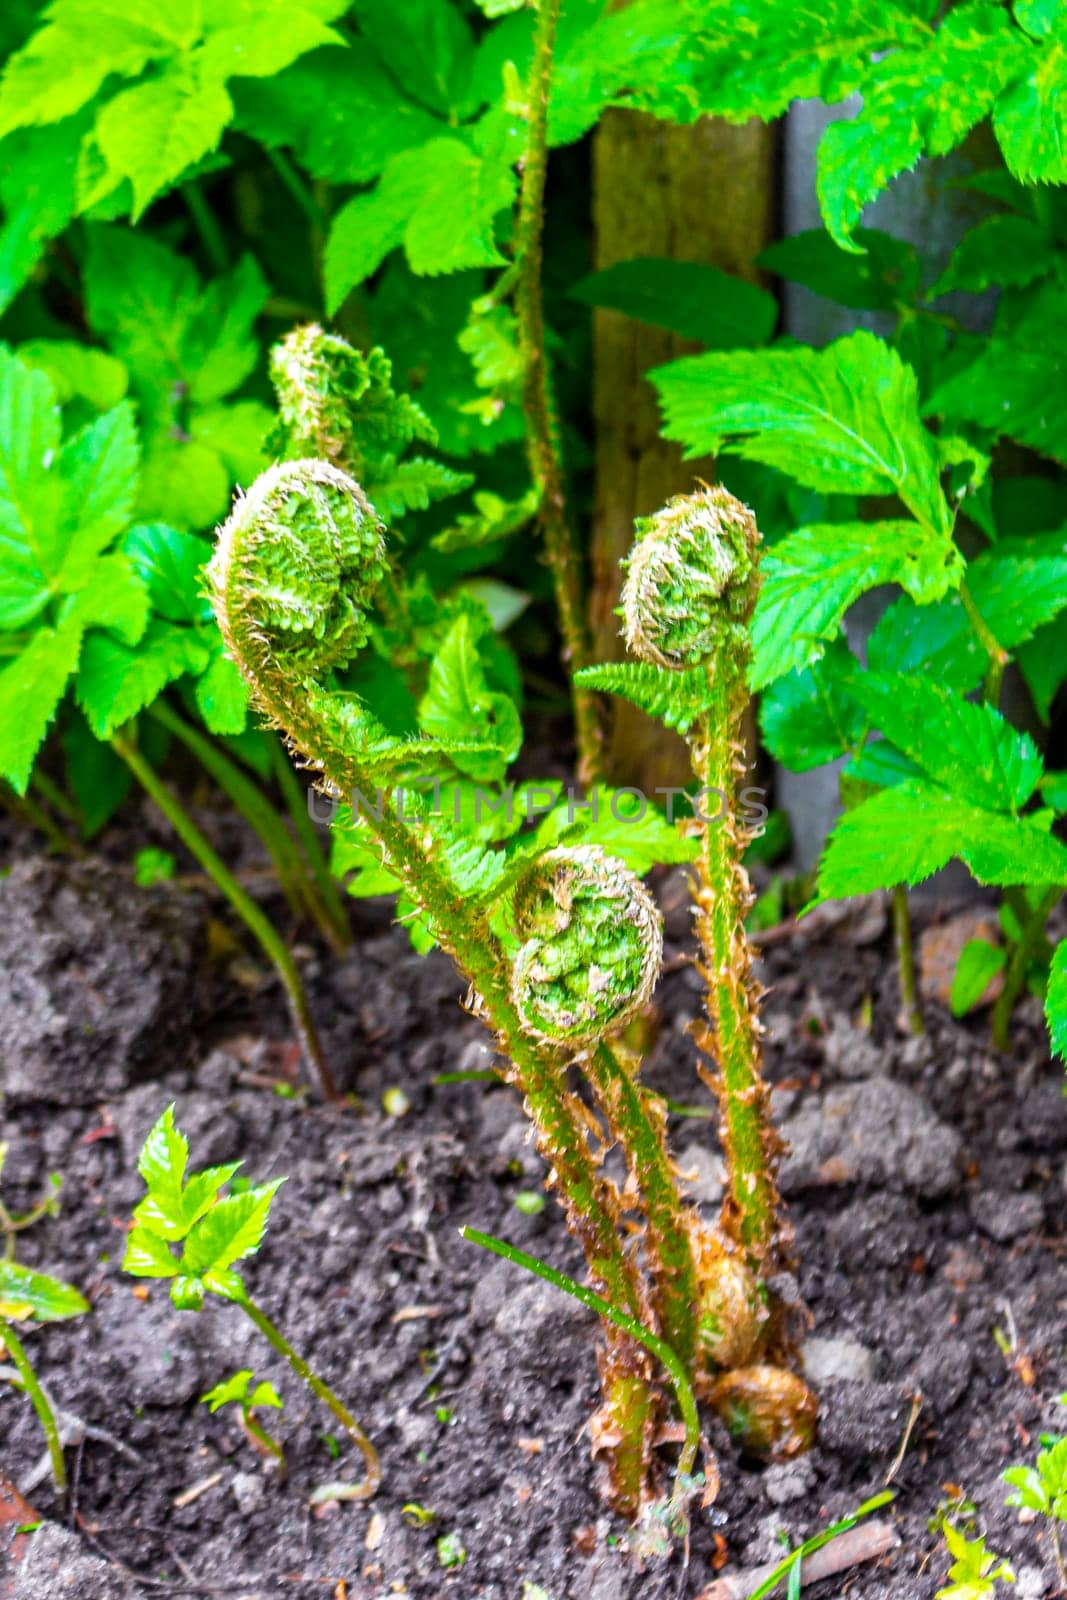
(909, 994)
(330, 911)
(1031, 933)
(253, 918)
(542, 425)
(323, 1392)
(40, 1402)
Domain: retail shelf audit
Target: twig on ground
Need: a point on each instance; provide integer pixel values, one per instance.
(865, 1543)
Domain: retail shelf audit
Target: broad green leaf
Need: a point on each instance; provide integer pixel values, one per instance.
(844, 420)
(97, 778)
(115, 682)
(113, 597)
(29, 491)
(236, 435)
(99, 472)
(1007, 387)
(1056, 1001)
(810, 717)
(31, 688)
(439, 201)
(147, 1255)
(1043, 663)
(171, 565)
(262, 41)
(812, 577)
(883, 278)
(313, 106)
(459, 704)
(182, 481)
(910, 831)
(162, 1162)
(976, 968)
(38, 168)
(231, 1230)
(45, 1299)
(624, 824)
(218, 347)
(937, 639)
(141, 298)
(971, 750)
(155, 131)
(1029, 120)
(691, 298)
(1001, 251)
(425, 44)
(627, 51)
(265, 1394)
(77, 369)
(222, 696)
(66, 62)
(172, 1219)
(676, 699)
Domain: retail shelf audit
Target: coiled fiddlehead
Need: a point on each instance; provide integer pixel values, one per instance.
(293, 578)
(691, 581)
(592, 946)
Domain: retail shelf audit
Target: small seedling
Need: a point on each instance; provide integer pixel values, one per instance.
(529, 1202)
(975, 1570)
(10, 1224)
(418, 1516)
(33, 1296)
(1042, 1488)
(239, 1391)
(216, 1230)
(450, 1550)
(153, 866)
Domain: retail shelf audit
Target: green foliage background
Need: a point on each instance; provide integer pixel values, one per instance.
(182, 184)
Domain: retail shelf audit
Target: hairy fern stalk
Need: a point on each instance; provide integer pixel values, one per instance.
(295, 578)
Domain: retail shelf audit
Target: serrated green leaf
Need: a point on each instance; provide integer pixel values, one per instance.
(45, 1299)
(231, 1230)
(1056, 1001)
(812, 577)
(162, 1163)
(844, 420)
(262, 41)
(97, 779)
(115, 682)
(883, 278)
(623, 823)
(112, 597)
(413, 485)
(978, 964)
(937, 639)
(77, 370)
(171, 563)
(1029, 120)
(439, 201)
(182, 481)
(426, 45)
(970, 750)
(811, 717)
(230, 1390)
(29, 491)
(692, 298)
(218, 347)
(676, 699)
(31, 688)
(1001, 252)
(916, 101)
(38, 169)
(910, 831)
(98, 470)
(64, 64)
(236, 435)
(313, 106)
(148, 1256)
(155, 131)
(1007, 387)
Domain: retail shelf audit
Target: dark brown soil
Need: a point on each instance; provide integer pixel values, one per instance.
(926, 1190)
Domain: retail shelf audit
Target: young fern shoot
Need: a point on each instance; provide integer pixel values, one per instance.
(690, 590)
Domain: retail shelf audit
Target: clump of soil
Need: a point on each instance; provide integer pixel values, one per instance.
(926, 1188)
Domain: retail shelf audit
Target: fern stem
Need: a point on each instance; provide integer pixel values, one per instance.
(41, 1404)
(323, 1392)
(724, 896)
(543, 446)
(29, 811)
(327, 906)
(250, 914)
(909, 994)
(669, 1243)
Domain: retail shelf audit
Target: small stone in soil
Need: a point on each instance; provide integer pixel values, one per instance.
(876, 1131)
(789, 1480)
(847, 1359)
(56, 1564)
(1007, 1216)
